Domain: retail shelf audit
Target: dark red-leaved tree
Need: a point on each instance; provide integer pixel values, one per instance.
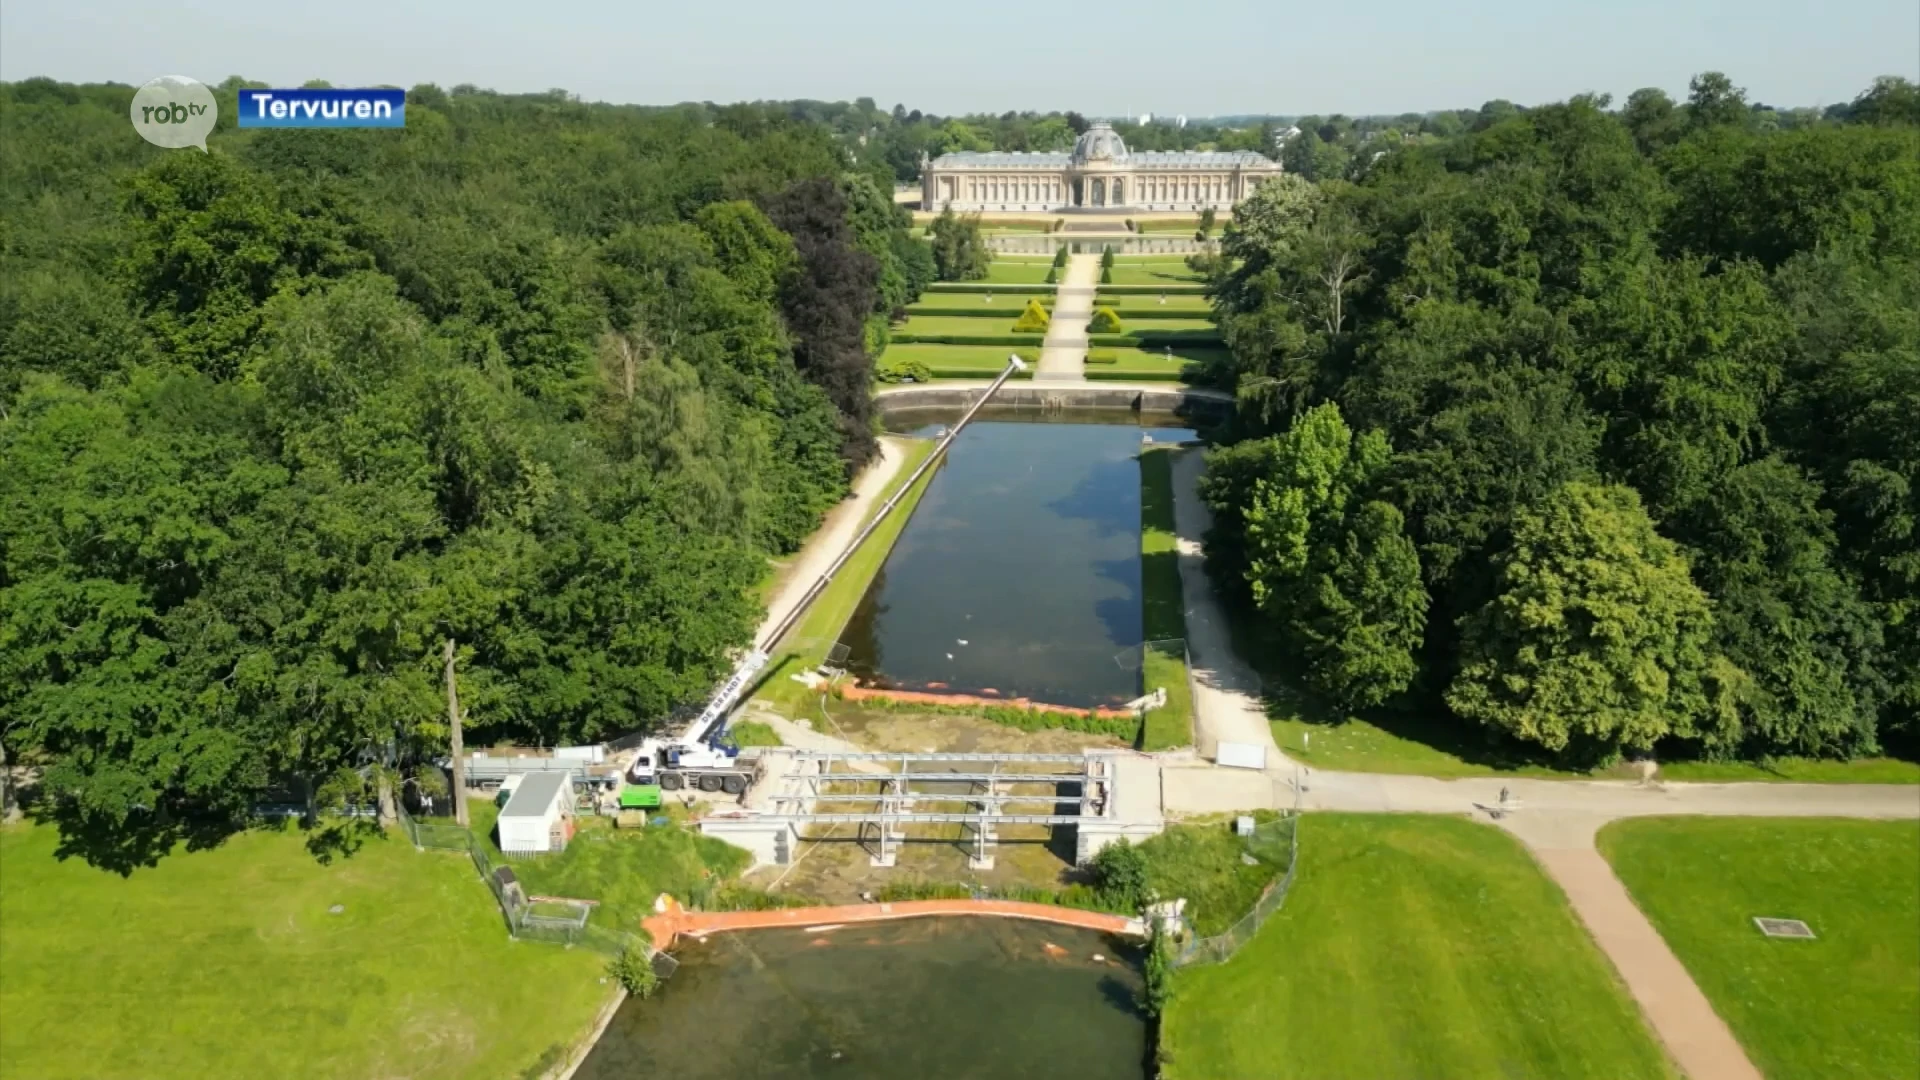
(826, 305)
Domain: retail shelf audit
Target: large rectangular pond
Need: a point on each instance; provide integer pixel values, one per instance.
(934, 999)
(1019, 573)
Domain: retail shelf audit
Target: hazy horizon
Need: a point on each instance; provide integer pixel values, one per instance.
(1241, 58)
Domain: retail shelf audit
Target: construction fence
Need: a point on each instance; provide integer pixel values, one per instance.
(1277, 844)
(528, 919)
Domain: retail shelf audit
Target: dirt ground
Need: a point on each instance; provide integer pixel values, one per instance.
(942, 732)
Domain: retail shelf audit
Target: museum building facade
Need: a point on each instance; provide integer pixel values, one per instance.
(1099, 173)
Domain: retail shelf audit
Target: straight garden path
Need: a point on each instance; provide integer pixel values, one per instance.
(1063, 353)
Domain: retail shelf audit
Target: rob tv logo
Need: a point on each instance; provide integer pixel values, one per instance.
(312, 108)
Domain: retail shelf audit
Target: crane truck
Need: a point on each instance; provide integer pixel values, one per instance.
(701, 753)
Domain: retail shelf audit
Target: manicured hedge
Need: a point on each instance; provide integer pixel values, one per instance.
(980, 287)
(1147, 339)
(1138, 290)
(1130, 313)
(1131, 375)
(970, 339)
(982, 313)
(982, 373)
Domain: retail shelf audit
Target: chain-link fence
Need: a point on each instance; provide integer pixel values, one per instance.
(1277, 844)
(525, 921)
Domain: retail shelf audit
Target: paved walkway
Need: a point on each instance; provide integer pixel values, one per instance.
(1226, 693)
(1063, 353)
(1697, 1038)
(675, 921)
(834, 533)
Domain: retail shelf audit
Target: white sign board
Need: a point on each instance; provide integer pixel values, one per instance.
(1239, 755)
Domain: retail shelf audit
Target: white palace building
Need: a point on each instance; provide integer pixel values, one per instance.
(1100, 173)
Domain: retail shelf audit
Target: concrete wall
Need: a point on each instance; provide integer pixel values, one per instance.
(1188, 401)
(1094, 834)
(761, 838)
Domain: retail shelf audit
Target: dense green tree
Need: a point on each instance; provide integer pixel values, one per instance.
(1364, 611)
(1654, 120)
(959, 252)
(1713, 101)
(1597, 640)
(1786, 614)
(1890, 100)
(211, 242)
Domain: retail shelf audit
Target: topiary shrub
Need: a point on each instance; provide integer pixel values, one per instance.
(1052, 275)
(1033, 320)
(1106, 258)
(1060, 255)
(1106, 275)
(1104, 321)
(898, 371)
(1103, 356)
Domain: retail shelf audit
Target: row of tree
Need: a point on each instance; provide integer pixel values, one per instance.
(1591, 431)
(278, 423)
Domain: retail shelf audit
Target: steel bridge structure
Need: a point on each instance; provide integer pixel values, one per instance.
(890, 790)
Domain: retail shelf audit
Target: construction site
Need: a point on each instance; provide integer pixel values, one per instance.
(882, 800)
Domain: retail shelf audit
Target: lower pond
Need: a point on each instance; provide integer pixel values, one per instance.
(941, 998)
(1019, 572)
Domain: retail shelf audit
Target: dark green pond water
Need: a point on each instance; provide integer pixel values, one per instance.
(920, 999)
(1019, 572)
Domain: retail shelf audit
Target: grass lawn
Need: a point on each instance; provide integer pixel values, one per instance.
(1182, 304)
(1151, 364)
(1010, 271)
(1037, 222)
(806, 645)
(226, 963)
(1845, 1006)
(624, 869)
(1189, 226)
(1200, 861)
(940, 325)
(1393, 742)
(1389, 744)
(754, 733)
(963, 361)
(942, 291)
(1798, 771)
(1192, 323)
(987, 305)
(1167, 273)
(1164, 615)
(1410, 946)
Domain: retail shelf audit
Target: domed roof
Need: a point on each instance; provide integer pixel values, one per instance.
(1099, 143)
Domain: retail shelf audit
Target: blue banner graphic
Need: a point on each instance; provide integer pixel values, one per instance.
(323, 108)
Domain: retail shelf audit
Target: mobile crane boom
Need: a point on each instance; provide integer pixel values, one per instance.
(710, 725)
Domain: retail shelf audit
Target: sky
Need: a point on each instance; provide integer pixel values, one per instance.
(1167, 57)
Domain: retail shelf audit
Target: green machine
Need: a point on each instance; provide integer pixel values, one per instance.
(639, 796)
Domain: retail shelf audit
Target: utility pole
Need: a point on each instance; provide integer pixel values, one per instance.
(453, 735)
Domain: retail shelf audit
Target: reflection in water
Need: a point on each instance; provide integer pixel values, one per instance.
(922, 998)
(1020, 569)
